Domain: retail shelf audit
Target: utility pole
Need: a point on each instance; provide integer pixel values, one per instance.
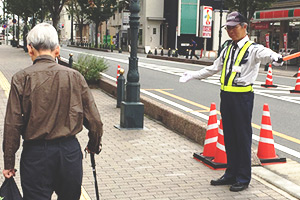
(72, 23)
(220, 31)
(5, 22)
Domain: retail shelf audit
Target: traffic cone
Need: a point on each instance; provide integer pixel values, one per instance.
(269, 79)
(118, 73)
(297, 87)
(220, 159)
(211, 133)
(266, 150)
(220, 155)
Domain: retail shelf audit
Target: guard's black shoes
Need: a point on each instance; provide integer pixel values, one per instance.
(238, 187)
(223, 181)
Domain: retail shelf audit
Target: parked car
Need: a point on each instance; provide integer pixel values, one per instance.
(9, 36)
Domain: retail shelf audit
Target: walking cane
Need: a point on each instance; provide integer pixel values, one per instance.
(95, 176)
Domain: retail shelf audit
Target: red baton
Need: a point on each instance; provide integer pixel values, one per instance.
(289, 57)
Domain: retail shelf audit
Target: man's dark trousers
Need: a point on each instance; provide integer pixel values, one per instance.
(236, 110)
(193, 54)
(51, 166)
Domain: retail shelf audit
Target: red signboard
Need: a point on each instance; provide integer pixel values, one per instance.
(268, 40)
(271, 14)
(261, 25)
(206, 21)
(285, 41)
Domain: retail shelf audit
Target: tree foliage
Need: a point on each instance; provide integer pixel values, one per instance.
(55, 7)
(24, 9)
(98, 11)
(79, 12)
(248, 7)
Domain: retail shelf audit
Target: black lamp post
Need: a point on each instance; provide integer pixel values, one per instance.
(132, 110)
(102, 9)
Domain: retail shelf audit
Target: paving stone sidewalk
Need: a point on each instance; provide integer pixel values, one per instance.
(154, 163)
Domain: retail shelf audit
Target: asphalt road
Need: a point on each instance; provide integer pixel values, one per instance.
(159, 79)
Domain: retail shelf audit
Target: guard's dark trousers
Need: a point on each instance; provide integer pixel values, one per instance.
(236, 110)
(53, 166)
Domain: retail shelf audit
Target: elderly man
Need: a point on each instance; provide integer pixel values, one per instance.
(48, 105)
(239, 63)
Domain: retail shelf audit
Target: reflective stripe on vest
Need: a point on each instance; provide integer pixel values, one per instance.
(230, 87)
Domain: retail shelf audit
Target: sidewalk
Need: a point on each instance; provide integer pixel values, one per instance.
(154, 163)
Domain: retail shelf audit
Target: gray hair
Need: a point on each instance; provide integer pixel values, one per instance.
(243, 23)
(43, 37)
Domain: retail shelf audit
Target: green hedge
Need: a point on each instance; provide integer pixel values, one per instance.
(90, 67)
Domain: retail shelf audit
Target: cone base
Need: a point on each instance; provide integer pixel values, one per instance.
(208, 161)
(294, 91)
(268, 86)
(272, 161)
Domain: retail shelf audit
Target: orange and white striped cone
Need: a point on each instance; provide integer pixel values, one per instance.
(220, 159)
(269, 78)
(297, 86)
(210, 152)
(266, 149)
(220, 155)
(118, 73)
(211, 137)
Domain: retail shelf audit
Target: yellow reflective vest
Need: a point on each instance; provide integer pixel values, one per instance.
(229, 85)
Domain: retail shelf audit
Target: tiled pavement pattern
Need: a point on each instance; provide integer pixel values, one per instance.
(154, 163)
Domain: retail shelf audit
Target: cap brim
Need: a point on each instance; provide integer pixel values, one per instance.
(232, 23)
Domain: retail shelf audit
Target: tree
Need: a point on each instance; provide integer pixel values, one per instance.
(248, 7)
(25, 9)
(98, 11)
(55, 7)
(79, 10)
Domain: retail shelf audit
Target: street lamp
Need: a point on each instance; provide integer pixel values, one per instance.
(102, 9)
(132, 110)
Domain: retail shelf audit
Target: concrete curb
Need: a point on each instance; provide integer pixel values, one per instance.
(176, 121)
(282, 183)
(200, 62)
(190, 127)
(90, 48)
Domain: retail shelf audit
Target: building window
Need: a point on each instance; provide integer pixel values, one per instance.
(140, 37)
(161, 34)
(154, 31)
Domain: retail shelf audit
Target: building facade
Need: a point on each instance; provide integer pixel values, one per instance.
(159, 22)
(278, 27)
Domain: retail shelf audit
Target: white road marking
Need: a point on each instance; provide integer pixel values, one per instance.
(205, 117)
(282, 89)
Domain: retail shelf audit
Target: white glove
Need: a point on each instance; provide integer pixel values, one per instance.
(276, 64)
(188, 75)
(275, 57)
